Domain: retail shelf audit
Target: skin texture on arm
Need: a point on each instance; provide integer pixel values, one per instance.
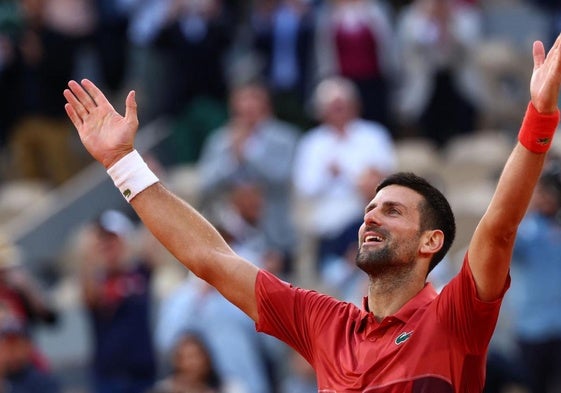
(108, 137)
(490, 249)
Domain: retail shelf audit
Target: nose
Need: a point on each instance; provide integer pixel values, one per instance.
(372, 217)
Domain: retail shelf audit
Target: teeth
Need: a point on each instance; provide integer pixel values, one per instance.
(373, 239)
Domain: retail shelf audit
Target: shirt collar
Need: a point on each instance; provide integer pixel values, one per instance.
(421, 299)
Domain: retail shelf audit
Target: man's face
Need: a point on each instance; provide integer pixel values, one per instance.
(249, 104)
(390, 235)
(338, 109)
(110, 249)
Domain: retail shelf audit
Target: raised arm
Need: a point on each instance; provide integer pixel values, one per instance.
(490, 250)
(109, 137)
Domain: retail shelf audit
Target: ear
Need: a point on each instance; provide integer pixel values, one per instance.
(431, 242)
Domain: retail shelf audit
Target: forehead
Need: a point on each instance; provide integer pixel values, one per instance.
(396, 194)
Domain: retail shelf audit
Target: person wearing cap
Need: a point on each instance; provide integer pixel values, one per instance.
(116, 291)
(536, 291)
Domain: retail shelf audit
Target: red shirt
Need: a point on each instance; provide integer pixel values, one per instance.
(435, 343)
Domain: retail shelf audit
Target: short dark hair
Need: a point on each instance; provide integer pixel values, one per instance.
(436, 212)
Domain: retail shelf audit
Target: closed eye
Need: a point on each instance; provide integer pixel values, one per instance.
(393, 211)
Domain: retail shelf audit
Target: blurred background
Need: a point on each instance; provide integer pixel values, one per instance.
(276, 119)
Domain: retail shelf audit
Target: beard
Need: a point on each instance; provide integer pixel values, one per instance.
(386, 261)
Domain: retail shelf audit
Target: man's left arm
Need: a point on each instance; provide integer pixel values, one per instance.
(490, 249)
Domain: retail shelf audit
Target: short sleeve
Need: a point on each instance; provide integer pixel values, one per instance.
(294, 315)
(470, 320)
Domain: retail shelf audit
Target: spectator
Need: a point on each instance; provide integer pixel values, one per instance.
(21, 374)
(335, 160)
(193, 370)
(116, 291)
(440, 87)
(354, 39)
(20, 292)
(195, 39)
(283, 38)
(46, 50)
(253, 147)
(536, 272)
(23, 298)
(240, 353)
(240, 220)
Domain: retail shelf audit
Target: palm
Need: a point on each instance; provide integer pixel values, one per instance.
(104, 130)
(105, 133)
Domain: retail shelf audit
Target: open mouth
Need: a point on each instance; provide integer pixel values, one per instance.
(373, 239)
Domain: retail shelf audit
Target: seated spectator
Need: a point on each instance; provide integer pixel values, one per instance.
(240, 220)
(116, 287)
(193, 370)
(253, 147)
(241, 354)
(336, 161)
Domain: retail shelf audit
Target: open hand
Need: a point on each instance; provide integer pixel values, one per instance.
(105, 134)
(546, 77)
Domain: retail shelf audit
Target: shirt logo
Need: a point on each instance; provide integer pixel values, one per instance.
(403, 337)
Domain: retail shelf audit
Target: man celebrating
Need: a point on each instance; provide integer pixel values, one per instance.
(406, 338)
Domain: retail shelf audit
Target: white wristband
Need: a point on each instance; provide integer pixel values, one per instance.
(131, 175)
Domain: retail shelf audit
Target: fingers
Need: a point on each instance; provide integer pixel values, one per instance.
(95, 95)
(131, 107)
(82, 95)
(538, 52)
(79, 103)
(76, 120)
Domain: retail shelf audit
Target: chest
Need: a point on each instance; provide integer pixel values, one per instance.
(387, 354)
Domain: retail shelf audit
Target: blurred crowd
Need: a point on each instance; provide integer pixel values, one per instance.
(289, 111)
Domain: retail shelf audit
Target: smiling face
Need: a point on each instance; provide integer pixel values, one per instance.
(390, 236)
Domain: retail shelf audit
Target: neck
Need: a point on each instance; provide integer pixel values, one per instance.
(389, 291)
(340, 127)
(189, 383)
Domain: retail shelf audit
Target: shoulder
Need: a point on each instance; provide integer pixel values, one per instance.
(280, 128)
(316, 135)
(370, 127)
(269, 287)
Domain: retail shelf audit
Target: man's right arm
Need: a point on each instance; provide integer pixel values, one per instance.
(109, 138)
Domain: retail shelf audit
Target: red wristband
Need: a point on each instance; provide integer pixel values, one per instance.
(536, 132)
